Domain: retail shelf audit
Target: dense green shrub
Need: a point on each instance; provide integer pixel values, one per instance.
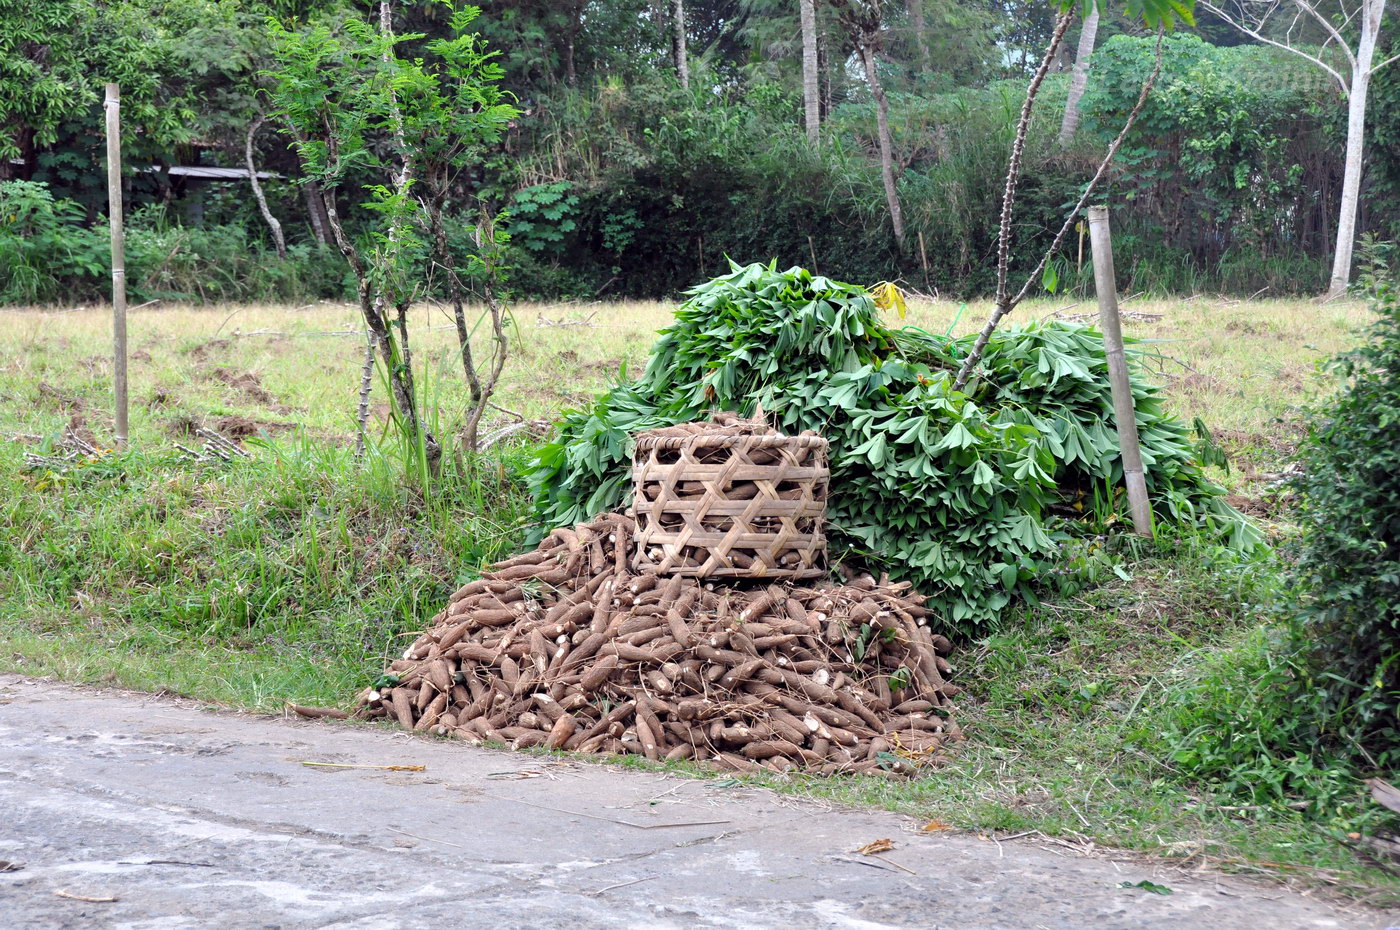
(1307, 703)
(49, 253)
(1349, 558)
(636, 187)
(1226, 167)
(955, 491)
(44, 246)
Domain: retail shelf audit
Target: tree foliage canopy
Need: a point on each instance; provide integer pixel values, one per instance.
(1227, 184)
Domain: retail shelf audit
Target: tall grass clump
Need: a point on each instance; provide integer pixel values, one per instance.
(301, 551)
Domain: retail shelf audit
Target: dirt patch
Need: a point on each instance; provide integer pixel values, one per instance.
(1195, 383)
(204, 350)
(606, 367)
(1267, 508)
(236, 427)
(140, 355)
(77, 425)
(1294, 375)
(1248, 328)
(1280, 445)
(160, 398)
(52, 398)
(249, 385)
(183, 425)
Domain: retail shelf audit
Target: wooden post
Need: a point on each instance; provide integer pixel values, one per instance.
(114, 215)
(923, 261)
(1105, 283)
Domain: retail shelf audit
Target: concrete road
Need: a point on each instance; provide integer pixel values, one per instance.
(140, 812)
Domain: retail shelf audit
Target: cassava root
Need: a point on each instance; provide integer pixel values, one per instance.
(563, 647)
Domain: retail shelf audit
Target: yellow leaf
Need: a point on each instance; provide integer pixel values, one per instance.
(934, 825)
(889, 297)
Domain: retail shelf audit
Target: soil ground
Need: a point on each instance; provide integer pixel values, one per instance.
(148, 812)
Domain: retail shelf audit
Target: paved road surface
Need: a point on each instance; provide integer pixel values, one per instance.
(192, 818)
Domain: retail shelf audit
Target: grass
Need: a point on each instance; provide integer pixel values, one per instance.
(1241, 366)
(296, 573)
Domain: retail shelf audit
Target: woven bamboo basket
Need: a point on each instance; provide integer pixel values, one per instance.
(736, 506)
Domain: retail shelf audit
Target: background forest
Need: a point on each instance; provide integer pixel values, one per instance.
(643, 154)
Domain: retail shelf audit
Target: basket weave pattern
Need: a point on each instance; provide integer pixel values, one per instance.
(716, 505)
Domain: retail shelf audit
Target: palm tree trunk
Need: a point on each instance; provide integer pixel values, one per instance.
(1070, 124)
(810, 90)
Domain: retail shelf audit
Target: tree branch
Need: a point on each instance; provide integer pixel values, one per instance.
(1326, 24)
(1004, 307)
(1018, 148)
(1376, 68)
(272, 222)
(1254, 34)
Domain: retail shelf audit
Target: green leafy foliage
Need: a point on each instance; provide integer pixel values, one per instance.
(35, 245)
(1244, 725)
(1295, 713)
(413, 126)
(1230, 179)
(1348, 562)
(48, 253)
(961, 493)
(541, 216)
(1219, 161)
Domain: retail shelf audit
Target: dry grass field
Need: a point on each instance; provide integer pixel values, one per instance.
(1243, 367)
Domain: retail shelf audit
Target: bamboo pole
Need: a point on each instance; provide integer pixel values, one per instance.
(114, 213)
(923, 261)
(1105, 283)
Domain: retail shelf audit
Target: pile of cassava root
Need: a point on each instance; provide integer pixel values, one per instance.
(564, 647)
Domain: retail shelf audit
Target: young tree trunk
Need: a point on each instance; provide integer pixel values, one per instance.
(882, 124)
(810, 91)
(1371, 13)
(366, 384)
(825, 79)
(316, 212)
(487, 250)
(920, 27)
(1070, 124)
(575, 24)
(397, 356)
(678, 44)
(1369, 16)
(272, 222)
